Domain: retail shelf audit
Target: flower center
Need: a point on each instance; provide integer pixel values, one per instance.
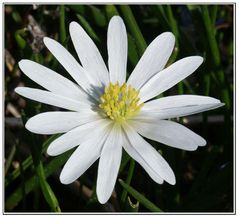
(120, 102)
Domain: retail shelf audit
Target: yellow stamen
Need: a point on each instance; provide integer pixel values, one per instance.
(120, 102)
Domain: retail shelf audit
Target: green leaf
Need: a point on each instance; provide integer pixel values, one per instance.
(80, 9)
(163, 17)
(215, 53)
(21, 42)
(111, 11)
(46, 189)
(13, 200)
(143, 200)
(128, 180)
(10, 158)
(98, 16)
(211, 37)
(88, 27)
(125, 159)
(28, 162)
(132, 51)
(62, 24)
(16, 16)
(133, 28)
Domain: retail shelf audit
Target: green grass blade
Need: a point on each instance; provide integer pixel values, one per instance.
(10, 158)
(172, 21)
(128, 180)
(143, 200)
(21, 42)
(86, 25)
(13, 200)
(211, 37)
(132, 51)
(80, 9)
(111, 11)
(16, 17)
(62, 24)
(27, 162)
(125, 159)
(133, 28)
(214, 14)
(174, 28)
(46, 189)
(98, 16)
(163, 17)
(215, 53)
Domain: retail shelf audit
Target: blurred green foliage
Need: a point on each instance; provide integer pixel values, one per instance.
(204, 177)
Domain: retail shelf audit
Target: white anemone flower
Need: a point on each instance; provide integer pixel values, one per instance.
(106, 113)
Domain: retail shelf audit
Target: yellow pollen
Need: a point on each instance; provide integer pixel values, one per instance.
(120, 102)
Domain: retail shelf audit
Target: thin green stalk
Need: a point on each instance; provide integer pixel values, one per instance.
(174, 28)
(10, 158)
(41, 177)
(128, 181)
(162, 16)
(133, 28)
(143, 200)
(88, 28)
(212, 41)
(27, 162)
(98, 16)
(19, 38)
(46, 189)
(213, 45)
(62, 24)
(214, 16)
(172, 21)
(111, 11)
(29, 185)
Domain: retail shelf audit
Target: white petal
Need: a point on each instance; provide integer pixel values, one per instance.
(89, 55)
(109, 164)
(117, 50)
(150, 155)
(83, 157)
(154, 174)
(176, 106)
(170, 133)
(76, 136)
(69, 63)
(52, 81)
(59, 122)
(51, 98)
(169, 77)
(153, 60)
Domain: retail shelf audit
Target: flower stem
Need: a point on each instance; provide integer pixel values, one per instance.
(128, 180)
